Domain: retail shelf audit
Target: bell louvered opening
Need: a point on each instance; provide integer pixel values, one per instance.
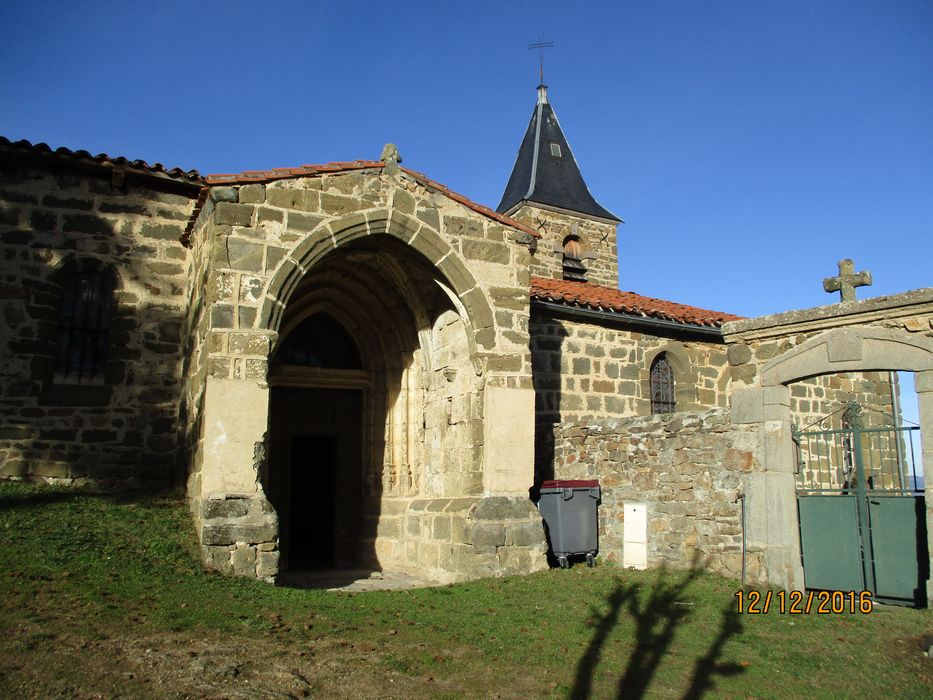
(574, 269)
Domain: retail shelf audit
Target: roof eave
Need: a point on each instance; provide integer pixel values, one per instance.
(560, 210)
(586, 313)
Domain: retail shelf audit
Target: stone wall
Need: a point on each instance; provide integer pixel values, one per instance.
(598, 238)
(57, 220)
(585, 372)
(688, 469)
(456, 539)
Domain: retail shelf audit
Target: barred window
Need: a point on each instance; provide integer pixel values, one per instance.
(662, 385)
(84, 326)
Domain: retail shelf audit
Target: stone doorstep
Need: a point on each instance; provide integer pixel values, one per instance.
(353, 580)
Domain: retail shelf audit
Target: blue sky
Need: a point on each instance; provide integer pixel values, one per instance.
(747, 145)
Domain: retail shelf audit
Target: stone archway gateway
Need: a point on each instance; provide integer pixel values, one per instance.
(888, 333)
(417, 453)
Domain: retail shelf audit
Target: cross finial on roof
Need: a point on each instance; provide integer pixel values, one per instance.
(847, 280)
(541, 45)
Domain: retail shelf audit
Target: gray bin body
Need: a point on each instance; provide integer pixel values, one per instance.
(570, 515)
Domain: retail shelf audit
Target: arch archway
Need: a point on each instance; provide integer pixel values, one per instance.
(412, 407)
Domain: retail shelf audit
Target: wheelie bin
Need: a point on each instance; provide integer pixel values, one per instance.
(568, 508)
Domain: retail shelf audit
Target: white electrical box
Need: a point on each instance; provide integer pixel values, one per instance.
(635, 539)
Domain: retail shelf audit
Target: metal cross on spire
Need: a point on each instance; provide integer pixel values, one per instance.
(541, 45)
(847, 280)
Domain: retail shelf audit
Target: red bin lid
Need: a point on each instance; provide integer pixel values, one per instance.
(570, 484)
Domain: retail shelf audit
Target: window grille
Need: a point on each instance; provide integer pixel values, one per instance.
(84, 326)
(662, 386)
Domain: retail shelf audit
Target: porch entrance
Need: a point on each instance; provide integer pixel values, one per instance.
(861, 514)
(315, 475)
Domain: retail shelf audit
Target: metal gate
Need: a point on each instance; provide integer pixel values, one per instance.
(861, 510)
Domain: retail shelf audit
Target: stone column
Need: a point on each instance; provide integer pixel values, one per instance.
(238, 528)
(923, 383)
(771, 494)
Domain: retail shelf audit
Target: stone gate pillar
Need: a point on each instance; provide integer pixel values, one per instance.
(771, 494)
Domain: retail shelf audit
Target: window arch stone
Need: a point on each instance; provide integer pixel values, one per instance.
(661, 385)
(685, 376)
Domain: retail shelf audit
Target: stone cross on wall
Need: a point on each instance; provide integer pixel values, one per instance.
(847, 280)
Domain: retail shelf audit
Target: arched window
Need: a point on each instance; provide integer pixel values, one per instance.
(574, 269)
(84, 326)
(319, 341)
(662, 385)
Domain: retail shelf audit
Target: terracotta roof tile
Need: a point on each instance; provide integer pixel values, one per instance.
(189, 176)
(594, 296)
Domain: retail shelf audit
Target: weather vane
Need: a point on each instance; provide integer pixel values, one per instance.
(541, 45)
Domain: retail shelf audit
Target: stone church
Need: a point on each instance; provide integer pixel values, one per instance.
(350, 364)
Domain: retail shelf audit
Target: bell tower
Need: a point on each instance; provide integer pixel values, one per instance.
(546, 191)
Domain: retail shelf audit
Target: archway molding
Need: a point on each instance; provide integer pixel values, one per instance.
(413, 233)
(850, 350)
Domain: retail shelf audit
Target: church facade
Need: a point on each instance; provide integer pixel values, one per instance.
(352, 365)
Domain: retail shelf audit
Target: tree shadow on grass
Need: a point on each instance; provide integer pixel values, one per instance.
(656, 614)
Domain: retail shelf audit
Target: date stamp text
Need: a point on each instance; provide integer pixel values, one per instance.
(804, 602)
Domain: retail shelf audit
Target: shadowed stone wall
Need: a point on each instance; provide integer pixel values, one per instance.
(59, 217)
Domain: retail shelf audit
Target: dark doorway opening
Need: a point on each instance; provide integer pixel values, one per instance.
(315, 476)
(312, 499)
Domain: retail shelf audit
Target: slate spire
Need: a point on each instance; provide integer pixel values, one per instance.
(545, 171)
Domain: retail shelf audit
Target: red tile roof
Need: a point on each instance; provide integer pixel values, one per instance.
(190, 176)
(250, 176)
(597, 297)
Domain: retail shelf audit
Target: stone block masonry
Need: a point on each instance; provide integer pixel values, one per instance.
(584, 372)
(598, 239)
(120, 428)
(688, 468)
(357, 246)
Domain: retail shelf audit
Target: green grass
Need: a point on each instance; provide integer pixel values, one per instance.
(103, 595)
